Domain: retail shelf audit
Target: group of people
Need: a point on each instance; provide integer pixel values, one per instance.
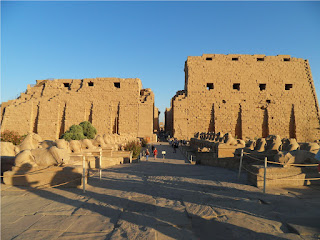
(175, 145)
(154, 151)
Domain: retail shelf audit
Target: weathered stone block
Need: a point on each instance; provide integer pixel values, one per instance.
(282, 177)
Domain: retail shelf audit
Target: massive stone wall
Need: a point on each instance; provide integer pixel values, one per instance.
(112, 105)
(156, 113)
(248, 96)
(168, 121)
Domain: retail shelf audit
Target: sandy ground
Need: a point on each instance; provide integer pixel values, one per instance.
(161, 199)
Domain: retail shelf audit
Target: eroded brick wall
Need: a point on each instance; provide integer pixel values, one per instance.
(248, 96)
(112, 105)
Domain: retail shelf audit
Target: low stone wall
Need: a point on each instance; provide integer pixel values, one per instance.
(219, 155)
(187, 151)
(282, 177)
(125, 155)
(209, 159)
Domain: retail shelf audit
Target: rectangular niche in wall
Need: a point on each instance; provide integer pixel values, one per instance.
(236, 86)
(288, 86)
(116, 84)
(67, 85)
(210, 86)
(262, 86)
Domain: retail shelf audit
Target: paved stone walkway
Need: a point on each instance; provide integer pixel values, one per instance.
(161, 199)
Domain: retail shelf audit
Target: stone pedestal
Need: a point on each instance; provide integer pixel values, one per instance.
(67, 176)
(282, 177)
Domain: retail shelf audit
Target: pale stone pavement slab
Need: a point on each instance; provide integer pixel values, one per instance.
(161, 199)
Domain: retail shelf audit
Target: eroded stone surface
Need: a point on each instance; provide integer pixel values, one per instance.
(92, 223)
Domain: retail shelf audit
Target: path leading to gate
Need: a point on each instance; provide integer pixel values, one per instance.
(170, 157)
(161, 199)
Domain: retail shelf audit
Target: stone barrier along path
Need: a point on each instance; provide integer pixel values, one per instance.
(161, 199)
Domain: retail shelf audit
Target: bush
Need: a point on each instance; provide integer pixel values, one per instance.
(12, 136)
(75, 132)
(144, 142)
(84, 130)
(135, 147)
(89, 131)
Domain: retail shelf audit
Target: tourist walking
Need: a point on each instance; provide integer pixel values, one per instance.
(155, 153)
(152, 147)
(147, 154)
(175, 145)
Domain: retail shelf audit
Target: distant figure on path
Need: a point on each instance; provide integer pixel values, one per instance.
(155, 153)
(152, 147)
(175, 145)
(147, 154)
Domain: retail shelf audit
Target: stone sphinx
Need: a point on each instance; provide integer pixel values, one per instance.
(202, 135)
(229, 139)
(75, 146)
(260, 145)
(8, 153)
(86, 144)
(47, 144)
(311, 147)
(241, 142)
(219, 137)
(8, 149)
(251, 144)
(212, 136)
(110, 141)
(207, 136)
(107, 139)
(99, 142)
(273, 143)
(204, 149)
(42, 157)
(295, 157)
(289, 144)
(63, 144)
(31, 141)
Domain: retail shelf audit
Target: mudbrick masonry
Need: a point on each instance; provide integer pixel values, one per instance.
(246, 95)
(112, 105)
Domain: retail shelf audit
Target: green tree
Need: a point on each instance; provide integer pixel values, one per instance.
(89, 131)
(75, 132)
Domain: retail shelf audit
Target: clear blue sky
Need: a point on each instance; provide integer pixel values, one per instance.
(146, 40)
